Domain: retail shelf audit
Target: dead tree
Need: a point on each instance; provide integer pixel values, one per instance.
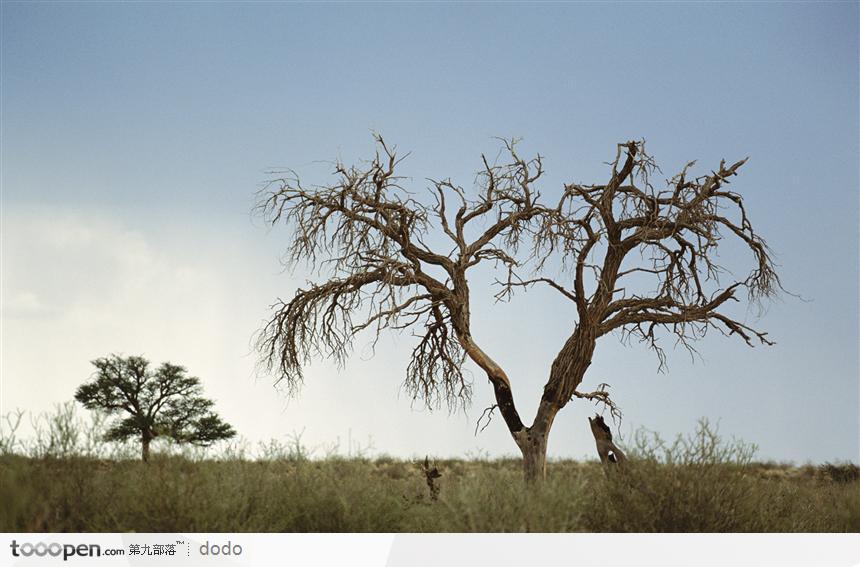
(635, 259)
(608, 452)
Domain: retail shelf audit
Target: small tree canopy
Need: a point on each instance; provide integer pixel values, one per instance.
(148, 403)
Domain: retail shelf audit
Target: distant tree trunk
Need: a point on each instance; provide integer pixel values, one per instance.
(144, 442)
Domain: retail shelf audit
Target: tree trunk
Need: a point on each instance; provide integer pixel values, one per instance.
(145, 440)
(532, 442)
(533, 446)
(569, 366)
(610, 455)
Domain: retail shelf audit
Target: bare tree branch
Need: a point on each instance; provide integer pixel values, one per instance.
(601, 396)
(633, 258)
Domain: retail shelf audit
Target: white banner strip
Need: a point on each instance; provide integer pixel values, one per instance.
(433, 550)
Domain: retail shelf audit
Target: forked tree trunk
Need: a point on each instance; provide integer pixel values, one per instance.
(565, 375)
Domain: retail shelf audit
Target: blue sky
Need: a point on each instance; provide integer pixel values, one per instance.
(135, 135)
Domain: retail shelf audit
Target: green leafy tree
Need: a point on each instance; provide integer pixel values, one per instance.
(149, 403)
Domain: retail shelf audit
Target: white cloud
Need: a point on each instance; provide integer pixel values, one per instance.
(23, 304)
(82, 285)
(193, 295)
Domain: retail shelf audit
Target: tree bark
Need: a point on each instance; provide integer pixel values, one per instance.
(497, 377)
(608, 451)
(532, 442)
(144, 442)
(533, 446)
(569, 366)
(567, 372)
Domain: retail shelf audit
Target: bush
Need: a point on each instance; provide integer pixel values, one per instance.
(699, 484)
(696, 483)
(841, 472)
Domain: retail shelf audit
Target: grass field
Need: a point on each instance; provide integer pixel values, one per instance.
(700, 483)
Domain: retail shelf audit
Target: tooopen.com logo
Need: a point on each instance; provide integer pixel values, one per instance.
(66, 550)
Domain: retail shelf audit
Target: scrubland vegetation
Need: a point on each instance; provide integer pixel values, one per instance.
(64, 479)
